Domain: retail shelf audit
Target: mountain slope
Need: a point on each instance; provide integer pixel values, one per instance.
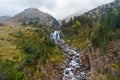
(28, 54)
(4, 17)
(99, 43)
(97, 12)
(32, 15)
(103, 10)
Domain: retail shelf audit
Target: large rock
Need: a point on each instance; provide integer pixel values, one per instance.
(85, 60)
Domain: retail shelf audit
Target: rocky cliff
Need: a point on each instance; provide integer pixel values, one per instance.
(105, 67)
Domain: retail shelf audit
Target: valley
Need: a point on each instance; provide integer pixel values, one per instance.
(36, 46)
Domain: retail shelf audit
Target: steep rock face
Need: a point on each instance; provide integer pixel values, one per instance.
(85, 58)
(103, 10)
(105, 67)
(33, 14)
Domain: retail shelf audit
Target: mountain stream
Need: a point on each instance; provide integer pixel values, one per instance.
(72, 69)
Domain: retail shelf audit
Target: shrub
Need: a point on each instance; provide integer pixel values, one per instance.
(48, 42)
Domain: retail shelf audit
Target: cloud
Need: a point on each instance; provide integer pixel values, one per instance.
(38, 3)
(57, 8)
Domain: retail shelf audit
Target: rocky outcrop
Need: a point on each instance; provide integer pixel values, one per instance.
(106, 65)
(88, 56)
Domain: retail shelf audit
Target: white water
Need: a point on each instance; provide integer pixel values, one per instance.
(71, 72)
(55, 35)
(72, 62)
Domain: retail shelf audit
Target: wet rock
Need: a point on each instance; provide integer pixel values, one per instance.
(72, 65)
(73, 57)
(70, 54)
(67, 72)
(118, 57)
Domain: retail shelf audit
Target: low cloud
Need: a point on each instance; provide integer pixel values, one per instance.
(57, 8)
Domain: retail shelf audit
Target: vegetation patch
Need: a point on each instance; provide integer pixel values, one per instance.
(25, 50)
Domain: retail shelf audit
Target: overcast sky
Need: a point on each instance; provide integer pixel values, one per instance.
(57, 8)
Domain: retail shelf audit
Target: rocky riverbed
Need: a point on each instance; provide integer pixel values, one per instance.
(72, 67)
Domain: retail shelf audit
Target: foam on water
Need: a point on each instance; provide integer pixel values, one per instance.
(55, 35)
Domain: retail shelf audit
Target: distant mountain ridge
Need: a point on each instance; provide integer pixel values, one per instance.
(103, 10)
(32, 15)
(72, 16)
(99, 11)
(4, 17)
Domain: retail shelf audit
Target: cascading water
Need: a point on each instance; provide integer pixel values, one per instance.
(55, 35)
(73, 69)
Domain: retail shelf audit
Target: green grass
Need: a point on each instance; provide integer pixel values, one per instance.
(7, 49)
(110, 77)
(23, 50)
(79, 40)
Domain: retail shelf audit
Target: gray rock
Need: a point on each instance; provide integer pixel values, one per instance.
(67, 72)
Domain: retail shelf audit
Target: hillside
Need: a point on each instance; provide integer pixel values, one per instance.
(103, 10)
(28, 54)
(98, 42)
(31, 16)
(96, 13)
(77, 31)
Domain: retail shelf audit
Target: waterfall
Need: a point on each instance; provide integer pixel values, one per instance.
(55, 35)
